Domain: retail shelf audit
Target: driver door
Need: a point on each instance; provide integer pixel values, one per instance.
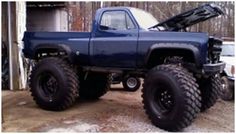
(115, 41)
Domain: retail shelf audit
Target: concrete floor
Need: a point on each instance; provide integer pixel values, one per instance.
(117, 111)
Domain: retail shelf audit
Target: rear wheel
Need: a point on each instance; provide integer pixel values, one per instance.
(210, 90)
(171, 97)
(131, 83)
(53, 84)
(94, 85)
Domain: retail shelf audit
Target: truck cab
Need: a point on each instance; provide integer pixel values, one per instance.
(116, 28)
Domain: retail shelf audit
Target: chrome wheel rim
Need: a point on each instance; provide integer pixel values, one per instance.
(131, 82)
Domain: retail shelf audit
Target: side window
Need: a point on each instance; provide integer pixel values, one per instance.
(116, 20)
(129, 23)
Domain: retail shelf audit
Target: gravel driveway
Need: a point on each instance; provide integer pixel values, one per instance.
(117, 111)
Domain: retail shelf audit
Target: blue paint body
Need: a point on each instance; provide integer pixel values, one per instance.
(114, 48)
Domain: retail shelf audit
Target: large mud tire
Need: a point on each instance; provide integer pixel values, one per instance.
(94, 85)
(171, 97)
(54, 84)
(210, 91)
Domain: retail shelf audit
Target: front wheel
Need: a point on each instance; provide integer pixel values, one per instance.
(226, 93)
(131, 83)
(210, 90)
(171, 97)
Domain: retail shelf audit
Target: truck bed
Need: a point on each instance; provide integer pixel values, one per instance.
(72, 41)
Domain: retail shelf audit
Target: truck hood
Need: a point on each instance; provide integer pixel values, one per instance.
(190, 17)
(171, 36)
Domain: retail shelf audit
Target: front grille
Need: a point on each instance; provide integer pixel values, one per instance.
(214, 50)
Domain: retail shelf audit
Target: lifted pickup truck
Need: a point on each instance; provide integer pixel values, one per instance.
(180, 69)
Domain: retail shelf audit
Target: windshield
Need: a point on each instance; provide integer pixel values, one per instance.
(227, 50)
(144, 19)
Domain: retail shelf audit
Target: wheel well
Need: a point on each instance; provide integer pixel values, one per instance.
(158, 56)
(49, 52)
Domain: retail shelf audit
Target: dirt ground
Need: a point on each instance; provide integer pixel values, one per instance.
(117, 111)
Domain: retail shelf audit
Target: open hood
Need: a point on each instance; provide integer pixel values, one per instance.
(191, 17)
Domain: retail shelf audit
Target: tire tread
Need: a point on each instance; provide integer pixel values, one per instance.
(191, 93)
(72, 84)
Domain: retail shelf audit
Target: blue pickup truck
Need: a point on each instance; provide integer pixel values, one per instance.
(180, 69)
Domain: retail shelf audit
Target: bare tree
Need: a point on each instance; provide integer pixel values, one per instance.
(82, 14)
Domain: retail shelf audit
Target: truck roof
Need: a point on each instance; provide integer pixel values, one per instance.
(118, 8)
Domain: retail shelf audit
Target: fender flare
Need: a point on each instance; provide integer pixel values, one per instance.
(182, 46)
(59, 47)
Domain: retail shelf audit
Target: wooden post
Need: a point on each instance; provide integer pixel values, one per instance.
(14, 48)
